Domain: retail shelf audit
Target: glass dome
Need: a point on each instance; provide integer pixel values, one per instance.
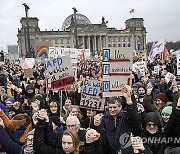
(81, 20)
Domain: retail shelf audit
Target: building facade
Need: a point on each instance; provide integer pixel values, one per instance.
(92, 36)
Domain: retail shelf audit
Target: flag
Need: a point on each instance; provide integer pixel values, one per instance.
(165, 54)
(82, 57)
(81, 46)
(151, 54)
(126, 30)
(156, 49)
(132, 11)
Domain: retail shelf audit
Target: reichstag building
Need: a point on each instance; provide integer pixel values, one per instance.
(78, 30)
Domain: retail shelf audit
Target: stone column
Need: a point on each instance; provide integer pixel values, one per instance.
(89, 43)
(95, 45)
(83, 41)
(100, 43)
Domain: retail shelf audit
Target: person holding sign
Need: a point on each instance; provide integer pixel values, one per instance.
(118, 122)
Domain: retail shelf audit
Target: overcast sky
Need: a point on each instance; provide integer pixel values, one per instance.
(161, 17)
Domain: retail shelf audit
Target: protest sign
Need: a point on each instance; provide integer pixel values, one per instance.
(178, 64)
(74, 53)
(140, 66)
(28, 73)
(91, 96)
(117, 68)
(169, 76)
(60, 72)
(27, 63)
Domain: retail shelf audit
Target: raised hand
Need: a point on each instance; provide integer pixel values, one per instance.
(97, 119)
(127, 92)
(92, 135)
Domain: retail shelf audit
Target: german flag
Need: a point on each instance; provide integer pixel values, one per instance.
(126, 30)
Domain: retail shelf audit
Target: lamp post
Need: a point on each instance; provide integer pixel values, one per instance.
(75, 31)
(28, 51)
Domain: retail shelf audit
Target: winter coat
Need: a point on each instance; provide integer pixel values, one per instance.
(115, 129)
(40, 146)
(154, 141)
(12, 128)
(9, 146)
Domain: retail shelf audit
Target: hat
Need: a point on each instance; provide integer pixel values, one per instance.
(135, 84)
(19, 120)
(12, 100)
(55, 120)
(29, 87)
(31, 132)
(162, 97)
(178, 82)
(153, 117)
(167, 109)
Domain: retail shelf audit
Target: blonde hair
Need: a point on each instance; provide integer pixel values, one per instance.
(79, 116)
(75, 138)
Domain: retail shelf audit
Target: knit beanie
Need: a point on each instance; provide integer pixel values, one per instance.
(12, 100)
(162, 97)
(31, 132)
(167, 109)
(55, 120)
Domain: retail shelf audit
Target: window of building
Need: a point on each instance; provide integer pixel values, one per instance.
(62, 40)
(124, 45)
(119, 45)
(129, 44)
(56, 41)
(68, 46)
(62, 46)
(139, 46)
(68, 40)
(114, 45)
(109, 39)
(109, 45)
(119, 39)
(114, 39)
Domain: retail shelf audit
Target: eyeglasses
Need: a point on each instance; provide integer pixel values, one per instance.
(71, 126)
(149, 125)
(31, 140)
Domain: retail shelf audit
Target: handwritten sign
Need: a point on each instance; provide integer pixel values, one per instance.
(28, 73)
(91, 96)
(140, 66)
(60, 72)
(74, 53)
(117, 68)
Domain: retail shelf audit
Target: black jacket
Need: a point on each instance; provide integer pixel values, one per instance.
(115, 131)
(40, 146)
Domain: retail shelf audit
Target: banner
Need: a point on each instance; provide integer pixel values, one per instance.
(74, 53)
(91, 96)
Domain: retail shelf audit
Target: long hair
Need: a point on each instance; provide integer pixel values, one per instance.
(75, 138)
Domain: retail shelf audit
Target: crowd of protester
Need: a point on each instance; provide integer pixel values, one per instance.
(145, 120)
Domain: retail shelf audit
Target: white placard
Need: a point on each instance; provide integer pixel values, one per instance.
(91, 96)
(117, 70)
(178, 64)
(60, 72)
(74, 53)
